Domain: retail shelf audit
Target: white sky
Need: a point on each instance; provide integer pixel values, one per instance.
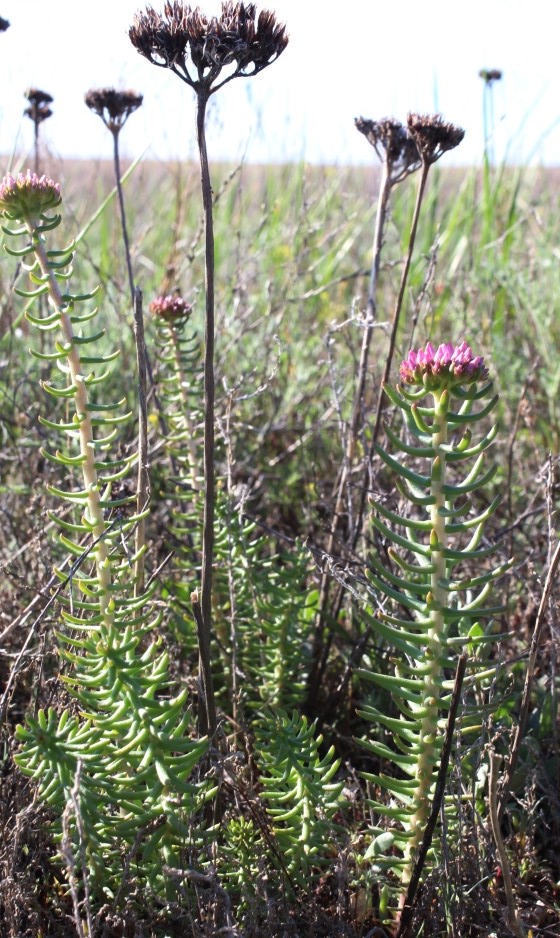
(345, 59)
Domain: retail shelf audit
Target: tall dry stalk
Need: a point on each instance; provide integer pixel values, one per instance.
(206, 52)
(424, 141)
(399, 157)
(37, 112)
(114, 108)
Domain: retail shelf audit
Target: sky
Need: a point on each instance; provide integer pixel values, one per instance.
(345, 59)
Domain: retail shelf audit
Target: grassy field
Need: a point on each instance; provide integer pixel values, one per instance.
(295, 598)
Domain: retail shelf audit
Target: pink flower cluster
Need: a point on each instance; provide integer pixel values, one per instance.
(28, 196)
(449, 364)
(171, 308)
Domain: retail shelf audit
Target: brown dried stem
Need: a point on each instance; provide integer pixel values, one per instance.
(209, 456)
(38, 111)
(399, 157)
(198, 48)
(126, 242)
(383, 202)
(114, 108)
(398, 305)
(207, 720)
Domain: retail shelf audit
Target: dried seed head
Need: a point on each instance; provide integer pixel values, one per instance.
(392, 143)
(27, 196)
(38, 114)
(113, 107)
(38, 109)
(38, 97)
(448, 366)
(490, 75)
(172, 309)
(4, 24)
(433, 136)
(161, 39)
(236, 38)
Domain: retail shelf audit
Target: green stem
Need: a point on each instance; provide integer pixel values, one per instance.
(94, 510)
(143, 483)
(436, 601)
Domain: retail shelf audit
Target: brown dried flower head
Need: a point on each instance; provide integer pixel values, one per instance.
(392, 143)
(38, 97)
(113, 107)
(38, 109)
(173, 309)
(4, 24)
(490, 75)
(433, 136)
(238, 39)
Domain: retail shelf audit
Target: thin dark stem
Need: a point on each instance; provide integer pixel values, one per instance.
(398, 305)
(408, 906)
(209, 469)
(128, 259)
(384, 193)
(117, 162)
(207, 720)
(36, 144)
(143, 485)
(385, 187)
(392, 342)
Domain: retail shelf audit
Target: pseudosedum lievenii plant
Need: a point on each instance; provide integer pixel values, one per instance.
(126, 752)
(437, 581)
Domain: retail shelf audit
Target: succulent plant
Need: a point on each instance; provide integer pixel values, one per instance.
(445, 606)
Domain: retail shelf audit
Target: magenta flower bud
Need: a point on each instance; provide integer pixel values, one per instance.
(447, 366)
(28, 196)
(172, 309)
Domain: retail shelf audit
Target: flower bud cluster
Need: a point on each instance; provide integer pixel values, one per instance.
(28, 195)
(172, 309)
(448, 365)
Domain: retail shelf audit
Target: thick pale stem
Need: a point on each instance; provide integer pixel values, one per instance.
(436, 601)
(143, 484)
(94, 511)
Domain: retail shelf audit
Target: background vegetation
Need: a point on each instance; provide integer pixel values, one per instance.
(292, 269)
